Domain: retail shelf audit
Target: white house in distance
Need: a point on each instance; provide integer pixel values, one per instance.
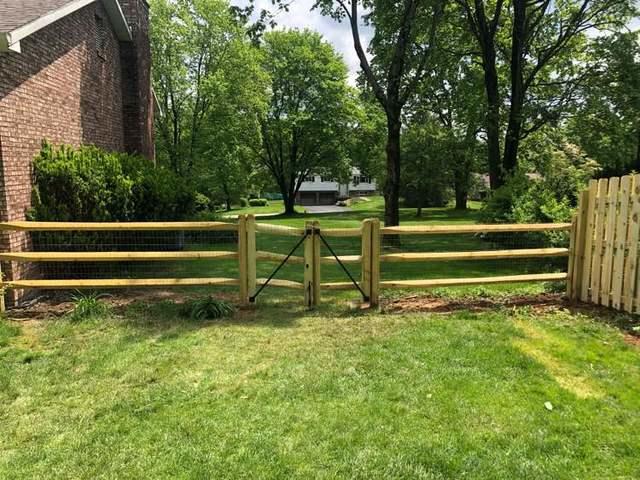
(319, 190)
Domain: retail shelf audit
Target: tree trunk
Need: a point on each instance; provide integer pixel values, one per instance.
(514, 126)
(496, 179)
(462, 196)
(419, 211)
(392, 185)
(289, 203)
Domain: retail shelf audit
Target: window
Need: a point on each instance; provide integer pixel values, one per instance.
(365, 179)
(355, 180)
(326, 179)
(101, 37)
(308, 178)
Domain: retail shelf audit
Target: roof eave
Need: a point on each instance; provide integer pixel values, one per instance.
(10, 41)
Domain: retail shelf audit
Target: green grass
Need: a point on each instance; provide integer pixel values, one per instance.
(283, 393)
(274, 207)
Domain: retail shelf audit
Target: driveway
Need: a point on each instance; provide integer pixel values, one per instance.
(326, 209)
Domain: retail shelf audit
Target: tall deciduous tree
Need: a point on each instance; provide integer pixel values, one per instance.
(405, 37)
(208, 82)
(532, 38)
(308, 116)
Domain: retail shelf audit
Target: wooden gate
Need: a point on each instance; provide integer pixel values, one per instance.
(603, 265)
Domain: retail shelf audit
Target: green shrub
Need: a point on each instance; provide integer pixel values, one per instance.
(88, 307)
(244, 202)
(90, 184)
(206, 308)
(202, 203)
(258, 202)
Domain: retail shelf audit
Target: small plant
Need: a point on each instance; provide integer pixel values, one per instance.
(206, 308)
(258, 202)
(88, 306)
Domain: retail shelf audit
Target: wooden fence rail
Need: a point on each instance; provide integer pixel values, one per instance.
(370, 258)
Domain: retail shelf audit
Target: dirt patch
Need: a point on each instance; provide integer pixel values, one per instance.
(632, 339)
(430, 304)
(57, 305)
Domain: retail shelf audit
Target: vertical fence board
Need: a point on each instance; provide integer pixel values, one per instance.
(582, 275)
(599, 228)
(251, 254)
(609, 240)
(620, 242)
(572, 266)
(365, 278)
(374, 297)
(308, 266)
(631, 264)
(316, 263)
(585, 234)
(242, 259)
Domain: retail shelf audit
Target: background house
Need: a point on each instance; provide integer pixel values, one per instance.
(319, 190)
(73, 72)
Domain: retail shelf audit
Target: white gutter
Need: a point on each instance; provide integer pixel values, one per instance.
(10, 41)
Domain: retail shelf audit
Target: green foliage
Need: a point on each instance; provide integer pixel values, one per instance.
(202, 203)
(88, 307)
(310, 110)
(90, 184)
(258, 202)
(244, 202)
(206, 308)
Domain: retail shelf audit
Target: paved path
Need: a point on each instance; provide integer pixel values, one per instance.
(326, 209)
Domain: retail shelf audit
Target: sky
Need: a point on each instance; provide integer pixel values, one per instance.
(338, 34)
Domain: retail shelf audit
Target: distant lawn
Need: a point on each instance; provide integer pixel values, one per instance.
(275, 206)
(283, 393)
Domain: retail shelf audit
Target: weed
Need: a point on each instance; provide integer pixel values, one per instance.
(88, 306)
(206, 308)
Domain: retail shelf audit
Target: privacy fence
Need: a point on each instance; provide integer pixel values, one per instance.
(251, 256)
(605, 235)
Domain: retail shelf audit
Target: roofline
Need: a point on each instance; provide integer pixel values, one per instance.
(10, 41)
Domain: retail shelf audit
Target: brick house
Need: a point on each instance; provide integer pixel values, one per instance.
(73, 72)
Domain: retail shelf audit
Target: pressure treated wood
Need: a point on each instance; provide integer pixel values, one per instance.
(492, 228)
(620, 241)
(121, 283)
(279, 230)
(251, 254)
(242, 259)
(115, 226)
(476, 255)
(316, 263)
(584, 239)
(376, 236)
(631, 264)
(572, 263)
(277, 282)
(116, 256)
(293, 259)
(365, 270)
(452, 282)
(308, 267)
(596, 268)
(337, 285)
(610, 232)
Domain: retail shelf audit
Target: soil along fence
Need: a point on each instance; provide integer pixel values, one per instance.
(245, 253)
(603, 267)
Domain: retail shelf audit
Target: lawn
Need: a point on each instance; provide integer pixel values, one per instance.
(280, 392)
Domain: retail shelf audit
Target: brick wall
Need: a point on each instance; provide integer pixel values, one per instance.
(64, 88)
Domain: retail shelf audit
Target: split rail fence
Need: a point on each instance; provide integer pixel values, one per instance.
(311, 238)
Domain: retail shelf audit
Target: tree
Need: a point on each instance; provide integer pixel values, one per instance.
(207, 79)
(305, 126)
(607, 120)
(405, 37)
(539, 41)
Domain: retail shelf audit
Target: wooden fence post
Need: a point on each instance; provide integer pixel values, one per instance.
(251, 254)
(308, 265)
(242, 259)
(316, 263)
(374, 292)
(572, 266)
(365, 277)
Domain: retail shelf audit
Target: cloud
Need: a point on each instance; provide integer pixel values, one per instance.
(338, 34)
